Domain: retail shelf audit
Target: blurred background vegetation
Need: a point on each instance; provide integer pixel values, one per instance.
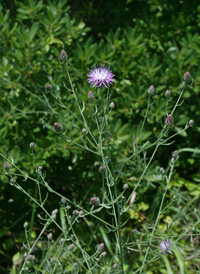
(144, 42)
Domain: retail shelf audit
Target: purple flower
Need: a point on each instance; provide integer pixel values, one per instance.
(100, 76)
(165, 246)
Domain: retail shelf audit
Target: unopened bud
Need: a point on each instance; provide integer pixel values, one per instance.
(175, 153)
(63, 200)
(32, 145)
(48, 87)
(115, 265)
(186, 76)
(112, 105)
(6, 166)
(151, 90)
(25, 224)
(49, 236)
(95, 201)
(162, 171)
(125, 186)
(84, 130)
(12, 181)
(90, 95)
(191, 123)
(100, 247)
(104, 253)
(81, 213)
(75, 212)
(63, 56)
(167, 93)
(169, 120)
(55, 211)
(71, 247)
(57, 127)
(102, 169)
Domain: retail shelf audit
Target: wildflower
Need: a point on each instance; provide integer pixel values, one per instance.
(191, 122)
(167, 93)
(100, 247)
(151, 90)
(48, 87)
(102, 169)
(95, 201)
(71, 247)
(104, 253)
(112, 105)
(169, 120)
(165, 246)
(63, 56)
(186, 76)
(6, 166)
(100, 76)
(90, 95)
(32, 145)
(57, 127)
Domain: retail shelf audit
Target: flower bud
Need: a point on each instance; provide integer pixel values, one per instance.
(48, 87)
(71, 247)
(25, 224)
(32, 145)
(102, 169)
(104, 253)
(175, 153)
(186, 76)
(167, 93)
(6, 166)
(68, 207)
(81, 213)
(63, 56)
(90, 95)
(151, 90)
(162, 171)
(112, 105)
(95, 201)
(125, 186)
(75, 212)
(115, 265)
(63, 200)
(55, 211)
(84, 130)
(169, 120)
(100, 247)
(49, 236)
(191, 123)
(12, 181)
(57, 127)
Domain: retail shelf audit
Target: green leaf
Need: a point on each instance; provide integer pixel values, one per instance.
(33, 30)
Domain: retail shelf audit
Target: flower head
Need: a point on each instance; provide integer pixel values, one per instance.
(170, 120)
(100, 76)
(165, 246)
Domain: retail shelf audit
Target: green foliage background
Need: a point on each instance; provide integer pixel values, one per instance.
(144, 43)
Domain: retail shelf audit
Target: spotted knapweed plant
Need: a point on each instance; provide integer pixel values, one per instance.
(117, 250)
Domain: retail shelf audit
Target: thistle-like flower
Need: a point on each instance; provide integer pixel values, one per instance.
(100, 76)
(170, 120)
(165, 246)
